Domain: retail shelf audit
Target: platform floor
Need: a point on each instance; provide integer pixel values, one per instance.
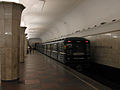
(40, 72)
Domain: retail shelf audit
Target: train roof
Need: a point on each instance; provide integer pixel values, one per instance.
(70, 38)
(76, 38)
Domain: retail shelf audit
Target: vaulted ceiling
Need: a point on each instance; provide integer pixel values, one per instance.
(40, 15)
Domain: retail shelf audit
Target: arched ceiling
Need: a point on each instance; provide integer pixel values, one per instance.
(40, 15)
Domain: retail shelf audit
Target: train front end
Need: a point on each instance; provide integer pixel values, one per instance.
(77, 51)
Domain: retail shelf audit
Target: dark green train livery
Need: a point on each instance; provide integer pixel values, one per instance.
(71, 51)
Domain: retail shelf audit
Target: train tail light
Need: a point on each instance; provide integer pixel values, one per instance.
(69, 41)
(86, 41)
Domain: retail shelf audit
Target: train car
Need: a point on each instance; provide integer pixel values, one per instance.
(54, 50)
(74, 51)
(45, 51)
(44, 48)
(39, 47)
(48, 48)
(36, 46)
(61, 51)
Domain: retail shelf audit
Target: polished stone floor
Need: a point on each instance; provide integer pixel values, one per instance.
(39, 72)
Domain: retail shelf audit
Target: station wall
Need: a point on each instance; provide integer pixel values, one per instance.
(105, 48)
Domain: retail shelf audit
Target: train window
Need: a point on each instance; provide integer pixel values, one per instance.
(55, 47)
(60, 47)
(51, 46)
(69, 45)
(48, 46)
(78, 41)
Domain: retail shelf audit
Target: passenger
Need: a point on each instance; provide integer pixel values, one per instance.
(30, 49)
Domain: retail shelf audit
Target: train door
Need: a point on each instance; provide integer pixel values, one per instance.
(55, 50)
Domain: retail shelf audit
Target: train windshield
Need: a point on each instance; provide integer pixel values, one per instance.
(77, 45)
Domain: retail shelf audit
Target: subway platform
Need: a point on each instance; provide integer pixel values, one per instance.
(40, 72)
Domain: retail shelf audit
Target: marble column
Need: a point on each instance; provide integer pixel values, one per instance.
(10, 16)
(26, 45)
(22, 44)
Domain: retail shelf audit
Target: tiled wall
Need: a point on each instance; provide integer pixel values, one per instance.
(105, 48)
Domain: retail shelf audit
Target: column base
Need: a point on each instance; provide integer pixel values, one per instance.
(10, 80)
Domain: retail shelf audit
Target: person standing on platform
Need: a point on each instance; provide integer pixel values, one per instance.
(30, 49)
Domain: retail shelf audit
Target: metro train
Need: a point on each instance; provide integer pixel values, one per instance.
(74, 51)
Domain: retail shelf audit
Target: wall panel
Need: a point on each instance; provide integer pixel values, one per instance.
(105, 48)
